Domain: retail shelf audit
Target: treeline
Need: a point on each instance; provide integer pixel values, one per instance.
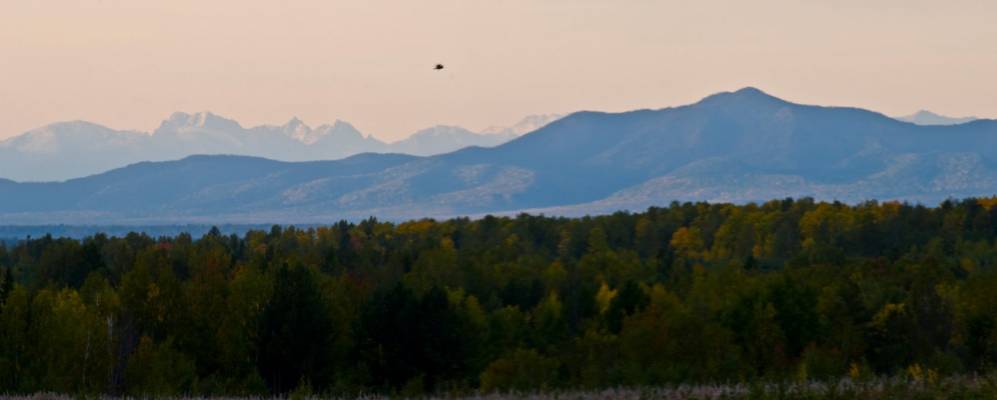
(16, 233)
(789, 289)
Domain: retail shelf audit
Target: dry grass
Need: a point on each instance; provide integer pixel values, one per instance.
(966, 387)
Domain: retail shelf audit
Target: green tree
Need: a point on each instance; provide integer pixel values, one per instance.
(666, 343)
(630, 299)
(521, 370)
(158, 369)
(295, 337)
(70, 352)
(14, 341)
(8, 285)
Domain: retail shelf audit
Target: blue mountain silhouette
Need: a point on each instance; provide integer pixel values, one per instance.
(735, 146)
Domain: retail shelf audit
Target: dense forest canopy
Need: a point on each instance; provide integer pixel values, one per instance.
(692, 292)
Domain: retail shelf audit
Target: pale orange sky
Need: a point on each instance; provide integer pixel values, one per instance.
(128, 64)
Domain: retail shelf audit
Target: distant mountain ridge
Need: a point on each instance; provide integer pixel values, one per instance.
(925, 117)
(67, 150)
(737, 146)
(526, 125)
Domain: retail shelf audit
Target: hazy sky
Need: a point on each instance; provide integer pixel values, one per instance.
(128, 64)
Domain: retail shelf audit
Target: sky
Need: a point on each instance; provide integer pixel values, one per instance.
(129, 64)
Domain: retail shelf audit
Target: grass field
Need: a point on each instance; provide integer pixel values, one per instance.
(964, 387)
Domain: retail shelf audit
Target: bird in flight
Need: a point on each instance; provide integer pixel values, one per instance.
(438, 67)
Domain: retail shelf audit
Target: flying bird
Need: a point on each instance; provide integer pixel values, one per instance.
(438, 67)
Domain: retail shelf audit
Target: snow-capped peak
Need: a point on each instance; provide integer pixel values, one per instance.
(297, 130)
(184, 122)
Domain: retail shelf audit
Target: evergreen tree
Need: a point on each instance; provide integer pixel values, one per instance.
(295, 338)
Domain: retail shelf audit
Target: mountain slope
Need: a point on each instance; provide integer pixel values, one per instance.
(739, 146)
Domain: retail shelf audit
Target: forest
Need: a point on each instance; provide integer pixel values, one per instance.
(691, 293)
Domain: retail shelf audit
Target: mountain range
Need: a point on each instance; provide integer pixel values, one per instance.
(67, 150)
(740, 146)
